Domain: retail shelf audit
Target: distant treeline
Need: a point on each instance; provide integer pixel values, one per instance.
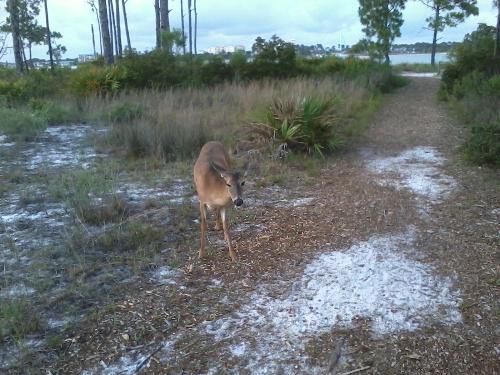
(424, 47)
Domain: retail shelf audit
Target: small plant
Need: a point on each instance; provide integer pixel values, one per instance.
(306, 124)
(18, 318)
(21, 125)
(53, 112)
(124, 112)
(483, 145)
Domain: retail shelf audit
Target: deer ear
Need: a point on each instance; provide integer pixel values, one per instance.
(223, 173)
(245, 168)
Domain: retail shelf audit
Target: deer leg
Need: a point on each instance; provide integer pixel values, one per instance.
(225, 225)
(218, 220)
(203, 228)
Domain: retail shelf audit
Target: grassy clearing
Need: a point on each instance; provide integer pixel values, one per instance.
(174, 124)
(25, 123)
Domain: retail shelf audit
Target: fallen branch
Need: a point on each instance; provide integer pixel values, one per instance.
(146, 360)
(355, 371)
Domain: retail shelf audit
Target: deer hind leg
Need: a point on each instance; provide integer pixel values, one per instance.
(203, 228)
(218, 220)
(225, 225)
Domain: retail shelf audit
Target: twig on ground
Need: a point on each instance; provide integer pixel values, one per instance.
(355, 371)
(146, 360)
(335, 356)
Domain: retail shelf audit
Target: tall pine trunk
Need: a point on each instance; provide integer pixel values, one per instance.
(164, 21)
(25, 60)
(434, 37)
(118, 27)
(49, 41)
(106, 39)
(12, 7)
(112, 24)
(182, 27)
(195, 28)
(129, 45)
(93, 38)
(157, 24)
(99, 28)
(190, 27)
(497, 44)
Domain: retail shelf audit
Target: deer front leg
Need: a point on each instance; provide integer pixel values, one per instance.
(203, 228)
(218, 220)
(225, 225)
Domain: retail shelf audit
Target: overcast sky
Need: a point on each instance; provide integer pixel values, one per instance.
(231, 22)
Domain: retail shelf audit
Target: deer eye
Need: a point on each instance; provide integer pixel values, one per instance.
(243, 183)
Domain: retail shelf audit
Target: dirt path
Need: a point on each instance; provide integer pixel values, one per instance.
(386, 262)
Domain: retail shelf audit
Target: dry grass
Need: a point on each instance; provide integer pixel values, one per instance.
(173, 124)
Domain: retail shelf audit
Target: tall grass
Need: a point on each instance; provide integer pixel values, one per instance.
(175, 123)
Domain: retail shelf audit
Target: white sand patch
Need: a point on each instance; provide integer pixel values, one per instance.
(374, 280)
(421, 75)
(4, 143)
(17, 291)
(165, 275)
(126, 366)
(175, 192)
(298, 202)
(61, 146)
(417, 170)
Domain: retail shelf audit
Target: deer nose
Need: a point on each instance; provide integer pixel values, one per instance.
(238, 202)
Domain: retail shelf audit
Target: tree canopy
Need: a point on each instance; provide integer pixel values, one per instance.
(382, 21)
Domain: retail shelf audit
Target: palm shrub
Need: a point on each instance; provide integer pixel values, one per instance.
(305, 124)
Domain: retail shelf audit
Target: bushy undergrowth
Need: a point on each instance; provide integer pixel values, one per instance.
(166, 106)
(309, 124)
(174, 124)
(418, 68)
(472, 84)
(483, 144)
(18, 318)
(20, 125)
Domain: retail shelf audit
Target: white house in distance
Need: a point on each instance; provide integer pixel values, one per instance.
(86, 57)
(225, 49)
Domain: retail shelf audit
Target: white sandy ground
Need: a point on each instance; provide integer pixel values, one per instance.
(373, 279)
(421, 75)
(4, 143)
(378, 279)
(56, 148)
(418, 170)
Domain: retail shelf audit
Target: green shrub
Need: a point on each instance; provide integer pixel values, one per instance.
(306, 124)
(21, 125)
(483, 144)
(54, 113)
(214, 71)
(11, 93)
(91, 80)
(18, 318)
(124, 112)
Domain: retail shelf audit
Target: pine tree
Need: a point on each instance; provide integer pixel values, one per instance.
(447, 13)
(383, 20)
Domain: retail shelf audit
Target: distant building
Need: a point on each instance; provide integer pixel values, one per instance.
(86, 57)
(225, 49)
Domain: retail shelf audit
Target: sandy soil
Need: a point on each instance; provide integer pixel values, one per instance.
(387, 264)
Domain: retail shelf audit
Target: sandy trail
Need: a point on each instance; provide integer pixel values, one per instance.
(388, 265)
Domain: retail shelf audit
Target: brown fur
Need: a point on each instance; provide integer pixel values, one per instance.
(218, 187)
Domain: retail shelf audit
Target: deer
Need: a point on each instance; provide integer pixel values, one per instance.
(218, 188)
